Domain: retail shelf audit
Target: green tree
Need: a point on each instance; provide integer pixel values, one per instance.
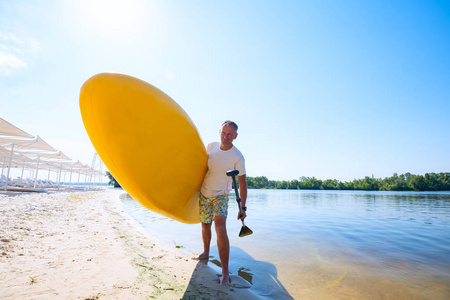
(311, 184)
(418, 183)
(331, 184)
(444, 179)
(112, 180)
(293, 185)
(282, 184)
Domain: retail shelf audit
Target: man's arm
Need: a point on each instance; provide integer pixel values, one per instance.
(243, 193)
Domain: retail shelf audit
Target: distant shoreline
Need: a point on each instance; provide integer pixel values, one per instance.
(430, 182)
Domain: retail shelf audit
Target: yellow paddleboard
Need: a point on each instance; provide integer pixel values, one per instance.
(147, 141)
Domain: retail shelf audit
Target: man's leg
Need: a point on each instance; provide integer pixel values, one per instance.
(206, 218)
(206, 237)
(224, 246)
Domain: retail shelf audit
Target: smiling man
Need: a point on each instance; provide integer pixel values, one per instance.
(222, 157)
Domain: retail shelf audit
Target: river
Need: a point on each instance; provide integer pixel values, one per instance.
(330, 244)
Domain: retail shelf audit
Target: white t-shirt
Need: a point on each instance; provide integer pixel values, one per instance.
(216, 181)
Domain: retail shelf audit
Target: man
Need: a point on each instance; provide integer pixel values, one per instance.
(222, 157)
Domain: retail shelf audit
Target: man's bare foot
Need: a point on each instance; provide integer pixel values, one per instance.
(225, 279)
(201, 256)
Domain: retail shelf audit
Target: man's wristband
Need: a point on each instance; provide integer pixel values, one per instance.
(244, 208)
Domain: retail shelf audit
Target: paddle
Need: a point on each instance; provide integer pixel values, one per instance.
(244, 230)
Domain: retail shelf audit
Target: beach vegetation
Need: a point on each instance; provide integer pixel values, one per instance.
(403, 182)
(33, 280)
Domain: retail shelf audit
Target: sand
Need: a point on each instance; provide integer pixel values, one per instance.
(80, 245)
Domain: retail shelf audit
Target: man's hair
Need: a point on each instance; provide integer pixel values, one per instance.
(228, 122)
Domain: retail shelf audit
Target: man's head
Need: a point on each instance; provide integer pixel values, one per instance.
(228, 133)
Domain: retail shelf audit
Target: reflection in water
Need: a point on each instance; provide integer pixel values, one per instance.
(245, 273)
(216, 262)
(332, 244)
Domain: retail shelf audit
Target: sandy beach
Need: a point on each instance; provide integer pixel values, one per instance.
(80, 245)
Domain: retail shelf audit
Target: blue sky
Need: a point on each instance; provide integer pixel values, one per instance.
(331, 89)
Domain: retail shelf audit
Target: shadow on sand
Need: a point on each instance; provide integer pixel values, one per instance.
(250, 279)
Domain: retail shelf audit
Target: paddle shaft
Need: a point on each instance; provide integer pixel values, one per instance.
(238, 199)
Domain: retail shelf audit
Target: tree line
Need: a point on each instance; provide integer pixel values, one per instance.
(403, 182)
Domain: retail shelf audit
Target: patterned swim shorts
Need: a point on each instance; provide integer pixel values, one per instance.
(213, 207)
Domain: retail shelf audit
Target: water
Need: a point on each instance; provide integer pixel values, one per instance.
(330, 244)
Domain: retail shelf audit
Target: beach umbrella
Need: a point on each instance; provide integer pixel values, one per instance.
(73, 166)
(26, 144)
(76, 167)
(17, 147)
(24, 160)
(46, 156)
(11, 159)
(20, 144)
(8, 129)
(4, 154)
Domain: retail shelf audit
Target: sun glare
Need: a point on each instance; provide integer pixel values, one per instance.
(113, 18)
(114, 14)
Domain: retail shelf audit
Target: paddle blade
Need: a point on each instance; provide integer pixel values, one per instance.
(245, 231)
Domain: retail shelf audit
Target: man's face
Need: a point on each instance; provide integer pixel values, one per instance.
(227, 134)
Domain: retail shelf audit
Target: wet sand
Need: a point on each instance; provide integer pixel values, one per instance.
(80, 245)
